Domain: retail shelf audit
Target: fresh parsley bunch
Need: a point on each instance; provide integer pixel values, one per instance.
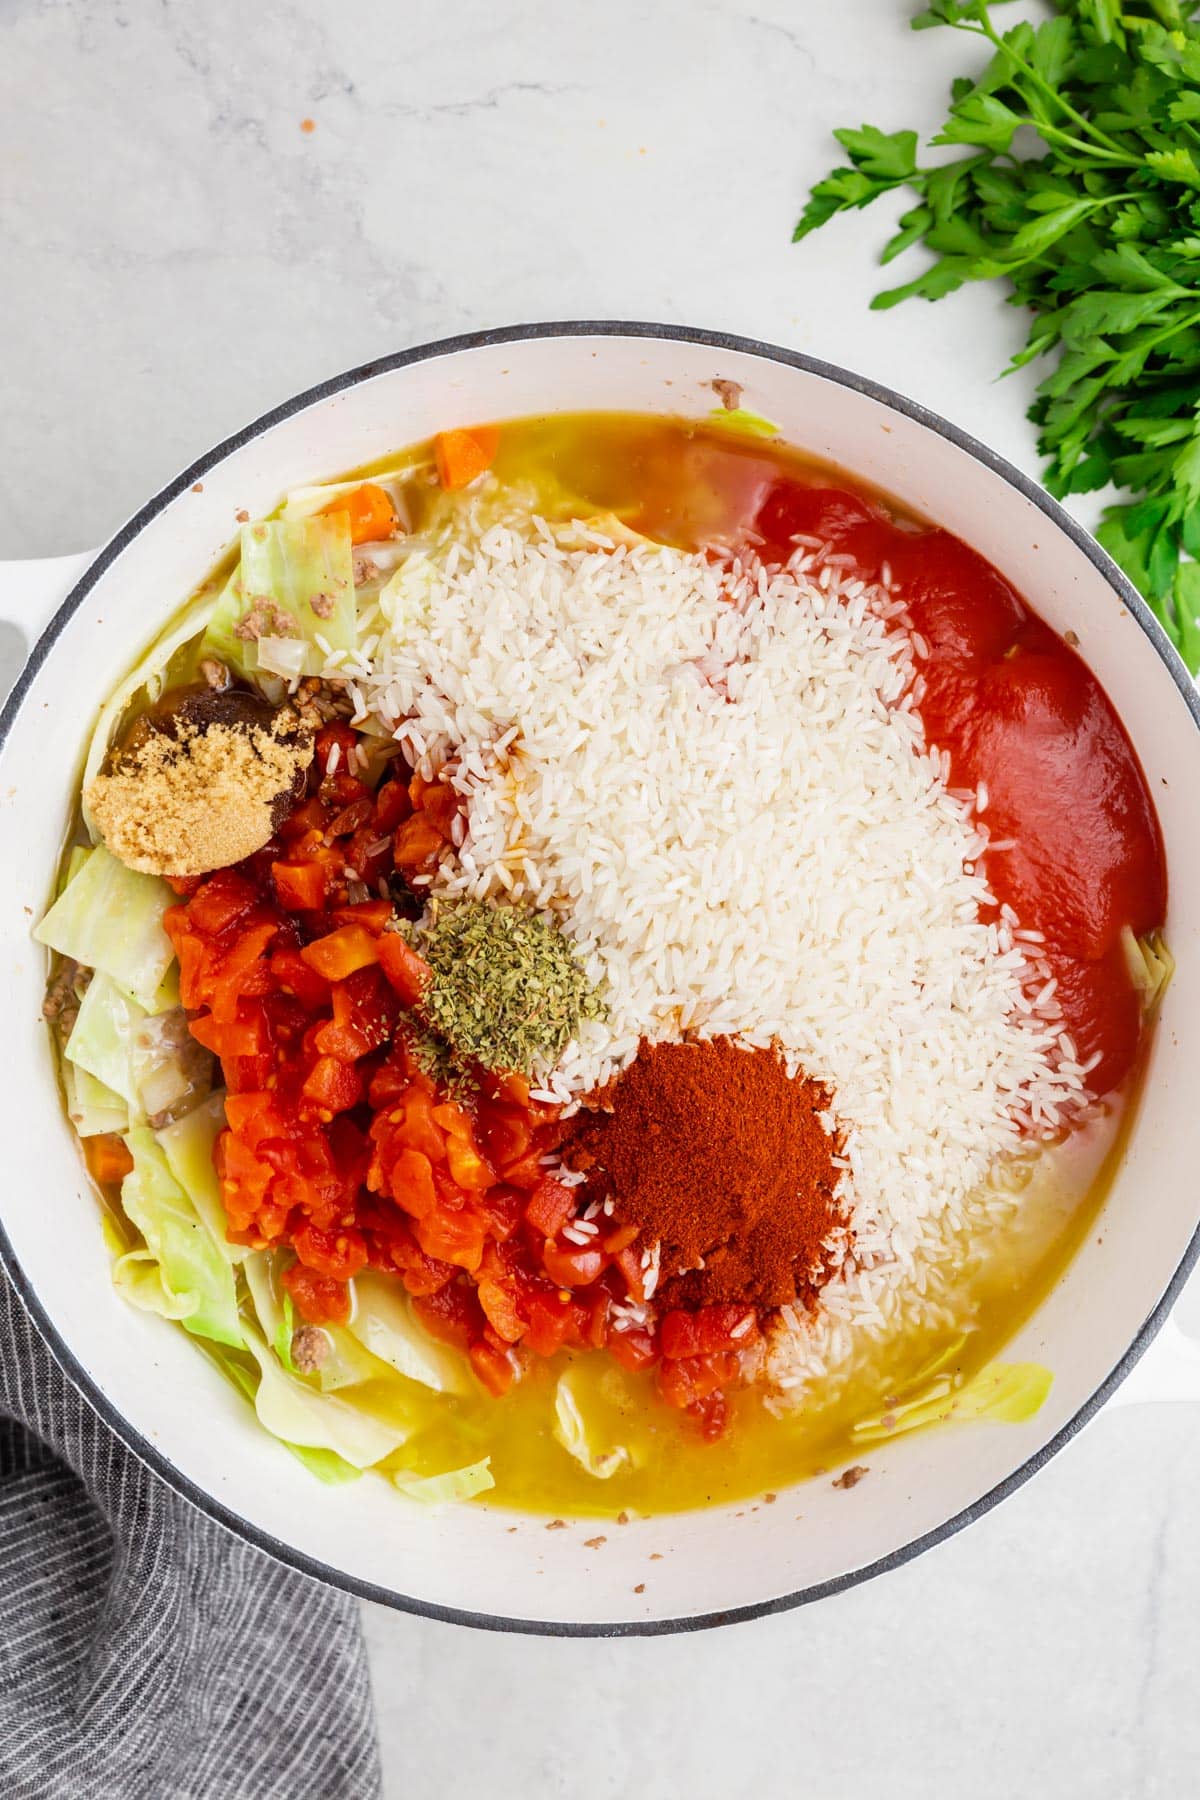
(1080, 186)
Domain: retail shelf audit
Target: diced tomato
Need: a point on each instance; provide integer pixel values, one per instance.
(552, 1322)
(621, 1239)
(629, 1261)
(572, 1267)
(295, 976)
(500, 1307)
(711, 1413)
(392, 804)
(467, 1166)
(497, 1369)
(224, 898)
(633, 1348)
(340, 1255)
(411, 1183)
(452, 1313)
(318, 1299)
(690, 1378)
(373, 915)
(711, 1329)
(407, 971)
(299, 886)
(348, 948)
(307, 819)
(416, 843)
(334, 735)
(526, 1173)
(550, 1206)
(333, 1086)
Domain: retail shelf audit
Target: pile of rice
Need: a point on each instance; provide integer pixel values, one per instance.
(715, 776)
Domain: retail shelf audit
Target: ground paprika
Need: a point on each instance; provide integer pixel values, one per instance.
(721, 1157)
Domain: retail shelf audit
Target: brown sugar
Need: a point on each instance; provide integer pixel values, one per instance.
(199, 797)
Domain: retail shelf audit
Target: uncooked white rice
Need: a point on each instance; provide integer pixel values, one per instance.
(715, 776)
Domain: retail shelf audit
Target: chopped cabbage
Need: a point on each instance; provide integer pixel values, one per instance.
(1006, 1393)
(101, 1040)
(301, 1415)
(1150, 965)
(171, 1070)
(188, 1147)
(442, 1490)
(149, 678)
(326, 1465)
(295, 582)
(92, 1107)
(138, 1278)
(384, 1323)
(345, 1362)
(302, 502)
(195, 1281)
(571, 1432)
(408, 594)
(743, 423)
(110, 918)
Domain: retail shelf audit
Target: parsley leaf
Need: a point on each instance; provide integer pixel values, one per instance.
(1079, 186)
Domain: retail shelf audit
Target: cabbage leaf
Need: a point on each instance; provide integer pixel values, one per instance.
(92, 1107)
(303, 1416)
(1006, 1393)
(109, 918)
(195, 1279)
(443, 1490)
(101, 1040)
(326, 1465)
(383, 1322)
(742, 422)
(295, 583)
(345, 1362)
(570, 1428)
(188, 1147)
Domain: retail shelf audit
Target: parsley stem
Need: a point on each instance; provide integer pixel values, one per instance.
(1116, 151)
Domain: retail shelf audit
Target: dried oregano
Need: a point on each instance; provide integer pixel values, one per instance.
(508, 990)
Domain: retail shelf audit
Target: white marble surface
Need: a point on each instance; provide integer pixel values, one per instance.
(179, 255)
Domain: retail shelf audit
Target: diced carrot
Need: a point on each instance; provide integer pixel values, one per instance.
(370, 512)
(462, 455)
(107, 1158)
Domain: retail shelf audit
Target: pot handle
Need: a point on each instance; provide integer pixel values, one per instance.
(1170, 1370)
(30, 595)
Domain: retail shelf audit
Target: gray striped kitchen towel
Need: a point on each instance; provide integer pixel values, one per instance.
(145, 1652)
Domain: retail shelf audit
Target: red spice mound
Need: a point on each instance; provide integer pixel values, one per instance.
(719, 1154)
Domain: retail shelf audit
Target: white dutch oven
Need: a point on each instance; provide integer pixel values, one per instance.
(161, 1396)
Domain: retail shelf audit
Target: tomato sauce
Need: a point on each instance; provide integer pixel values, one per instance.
(1078, 852)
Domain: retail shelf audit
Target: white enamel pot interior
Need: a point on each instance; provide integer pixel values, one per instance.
(151, 1383)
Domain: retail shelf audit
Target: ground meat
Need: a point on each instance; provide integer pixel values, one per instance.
(310, 1347)
(850, 1477)
(263, 618)
(60, 1008)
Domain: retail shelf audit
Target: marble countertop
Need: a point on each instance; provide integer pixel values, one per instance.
(180, 254)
